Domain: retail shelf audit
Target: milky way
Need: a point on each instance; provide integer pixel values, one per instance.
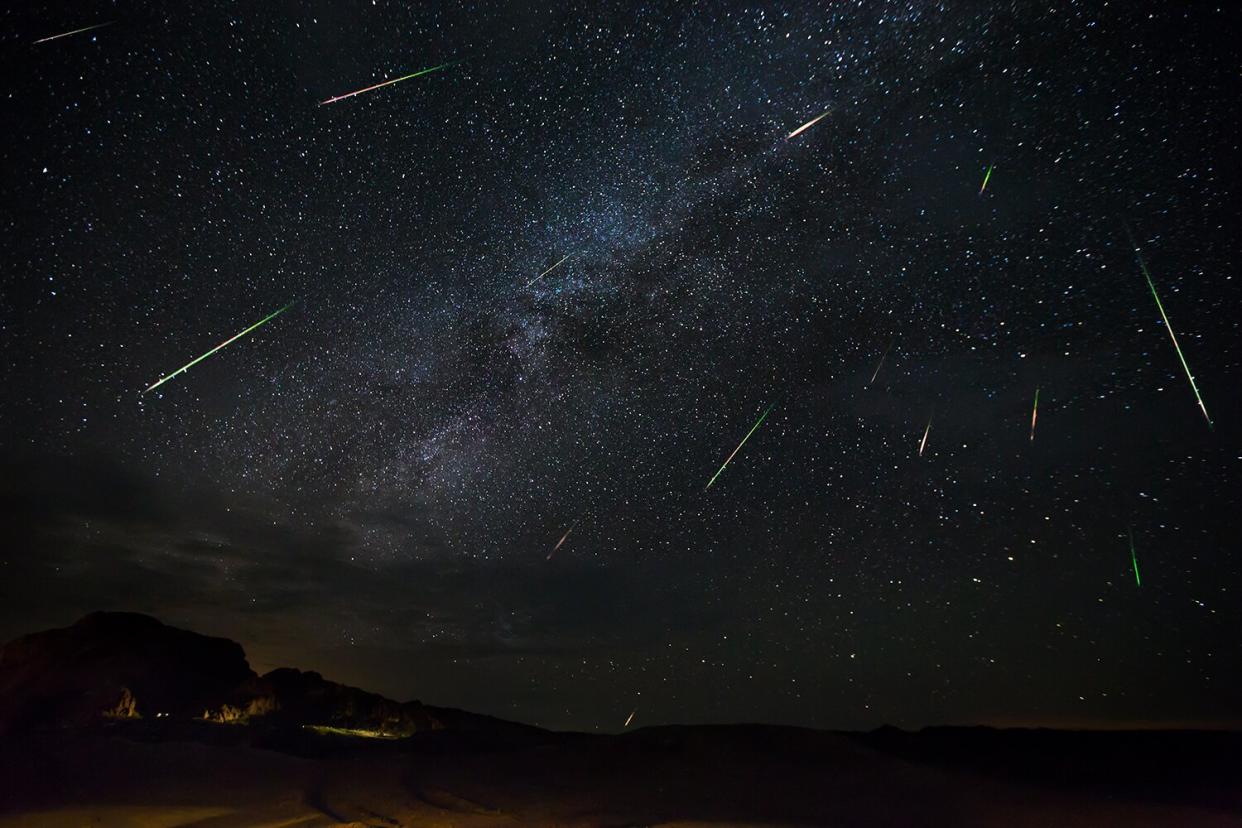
(370, 486)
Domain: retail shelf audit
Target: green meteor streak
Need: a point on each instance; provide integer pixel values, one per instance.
(758, 423)
(1160, 306)
(986, 177)
(1134, 560)
(190, 365)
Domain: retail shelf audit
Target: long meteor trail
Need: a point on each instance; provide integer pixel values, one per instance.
(190, 365)
(758, 423)
(923, 442)
(549, 270)
(1159, 305)
(806, 126)
(390, 82)
(75, 31)
(1134, 560)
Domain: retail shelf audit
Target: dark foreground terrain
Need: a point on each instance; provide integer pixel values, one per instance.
(362, 760)
(132, 775)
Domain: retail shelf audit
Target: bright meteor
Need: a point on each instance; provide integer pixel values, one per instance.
(806, 126)
(75, 31)
(190, 365)
(561, 541)
(630, 719)
(986, 177)
(390, 82)
(923, 443)
(1160, 306)
(1134, 560)
(549, 270)
(758, 423)
(1034, 414)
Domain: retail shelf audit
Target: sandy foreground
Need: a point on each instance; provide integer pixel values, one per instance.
(667, 777)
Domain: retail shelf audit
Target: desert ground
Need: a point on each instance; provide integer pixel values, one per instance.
(133, 776)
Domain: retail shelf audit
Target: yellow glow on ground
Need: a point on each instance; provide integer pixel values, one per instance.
(326, 730)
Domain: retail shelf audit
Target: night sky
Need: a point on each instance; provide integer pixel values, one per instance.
(370, 484)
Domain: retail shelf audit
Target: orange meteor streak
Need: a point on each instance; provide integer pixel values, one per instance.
(806, 126)
(389, 82)
(559, 542)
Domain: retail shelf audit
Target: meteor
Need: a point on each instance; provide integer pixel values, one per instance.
(1034, 414)
(630, 719)
(549, 270)
(561, 541)
(1159, 305)
(986, 177)
(881, 365)
(1134, 560)
(926, 431)
(75, 31)
(391, 82)
(190, 365)
(806, 126)
(758, 423)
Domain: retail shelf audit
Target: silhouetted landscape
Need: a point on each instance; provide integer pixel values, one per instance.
(119, 720)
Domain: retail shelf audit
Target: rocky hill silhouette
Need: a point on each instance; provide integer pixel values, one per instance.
(119, 665)
(122, 720)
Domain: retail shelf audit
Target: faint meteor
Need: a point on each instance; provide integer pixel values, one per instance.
(1034, 414)
(1134, 560)
(1159, 305)
(549, 270)
(806, 126)
(630, 719)
(986, 177)
(923, 442)
(75, 31)
(390, 82)
(190, 365)
(881, 365)
(561, 541)
(758, 423)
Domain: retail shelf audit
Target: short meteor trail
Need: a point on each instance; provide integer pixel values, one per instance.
(1134, 560)
(630, 719)
(561, 541)
(549, 270)
(923, 443)
(190, 365)
(806, 126)
(75, 31)
(758, 423)
(986, 177)
(1159, 305)
(1034, 414)
(881, 365)
(390, 82)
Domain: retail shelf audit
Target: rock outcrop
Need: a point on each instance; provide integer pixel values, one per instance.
(119, 663)
(126, 707)
(117, 666)
(309, 698)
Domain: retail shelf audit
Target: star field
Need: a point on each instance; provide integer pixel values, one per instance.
(370, 484)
